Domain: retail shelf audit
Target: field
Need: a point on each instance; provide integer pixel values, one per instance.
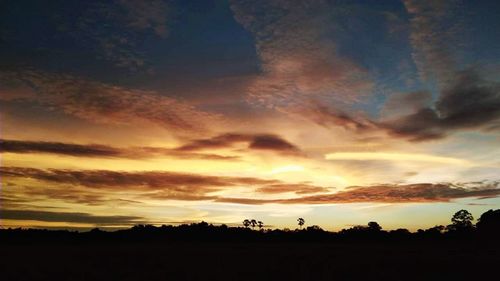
(446, 260)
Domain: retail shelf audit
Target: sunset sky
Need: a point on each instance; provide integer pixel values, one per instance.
(124, 112)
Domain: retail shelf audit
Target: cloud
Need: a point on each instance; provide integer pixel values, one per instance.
(103, 151)
(434, 26)
(303, 74)
(468, 103)
(422, 192)
(465, 100)
(89, 150)
(388, 193)
(330, 117)
(166, 185)
(298, 54)
(268, 142)
(143, 15)
(105, 103)
(114, 29)
(300, 188)
(273, 143)
(86, 218)
(393, 156)
(152, 180)
(405, 104)
(220, 141)
(192, 187)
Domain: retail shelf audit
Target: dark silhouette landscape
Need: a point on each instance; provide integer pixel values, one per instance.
(322, 133)
(202, 251)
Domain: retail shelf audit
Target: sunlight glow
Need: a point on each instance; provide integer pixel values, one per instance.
(392, 156)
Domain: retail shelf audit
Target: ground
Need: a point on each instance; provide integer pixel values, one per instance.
(252, 261)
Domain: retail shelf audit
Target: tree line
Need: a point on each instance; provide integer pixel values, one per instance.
(461, 227)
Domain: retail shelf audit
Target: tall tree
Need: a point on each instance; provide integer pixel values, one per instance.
(489, 223)
(253, 223)
(301, 222)
(246, 223)
(374, 226)
(461, 221)
(260, 224)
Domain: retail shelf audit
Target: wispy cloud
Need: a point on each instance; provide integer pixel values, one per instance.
(388, 156)
(388, 193)
(105, 103)
(434, 25)
(89, 150)
(114, 29)
(85, 218)
(195, 187)
(300, 188)
(103, 151)
(298, 55)
(164, 185)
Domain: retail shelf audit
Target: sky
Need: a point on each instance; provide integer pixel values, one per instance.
(124, 112)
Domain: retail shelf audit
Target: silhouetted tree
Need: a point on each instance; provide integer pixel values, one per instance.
(400, 233)
(489, 223)
(301, 222)
(374, 226)
(253, 223)
(461, 221)
(314, 228)
(246, 223)
(260, 224)
(433, 232)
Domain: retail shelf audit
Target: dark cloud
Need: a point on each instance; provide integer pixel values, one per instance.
(220, 141)
(469, 103)
(90, 150)
(405, 104)
(254, 141)
(69, 217)
(96, 150)
(465, 101)
(272, 142)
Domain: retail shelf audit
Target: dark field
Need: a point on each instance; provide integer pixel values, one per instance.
(425, 260)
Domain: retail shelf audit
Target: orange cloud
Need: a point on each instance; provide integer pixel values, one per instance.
(300, 188)
(388, 193)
